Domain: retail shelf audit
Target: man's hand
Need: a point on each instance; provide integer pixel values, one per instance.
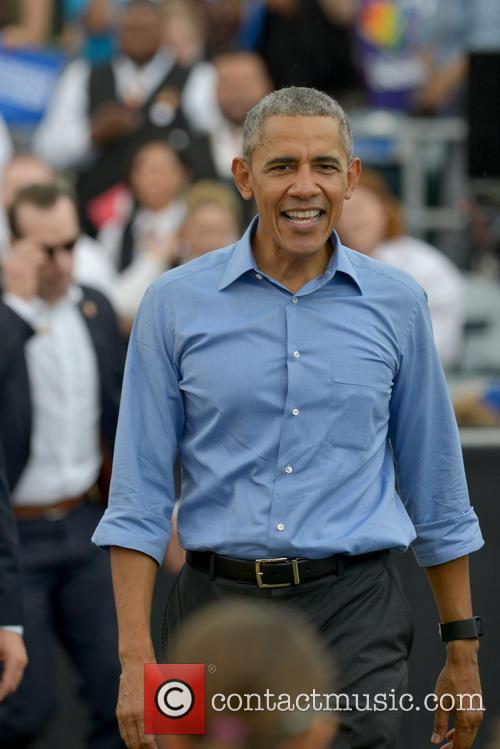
(130, 708)
(175, 556)
(14, 658)
(21, 269)
(112, 122)
(460, 679)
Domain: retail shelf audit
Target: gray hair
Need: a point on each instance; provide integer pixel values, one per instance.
(295, 101)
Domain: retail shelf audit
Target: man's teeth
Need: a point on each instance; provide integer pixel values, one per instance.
(302, 215)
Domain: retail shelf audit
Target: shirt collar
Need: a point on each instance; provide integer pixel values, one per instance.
(242, 259)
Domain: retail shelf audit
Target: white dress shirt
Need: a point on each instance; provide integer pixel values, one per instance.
(65, 456)
(443, 283)
(63, 138)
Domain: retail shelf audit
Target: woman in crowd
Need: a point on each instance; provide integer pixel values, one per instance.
(141, 245)
(213, 219)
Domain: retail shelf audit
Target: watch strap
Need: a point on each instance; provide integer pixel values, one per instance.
(464, 629)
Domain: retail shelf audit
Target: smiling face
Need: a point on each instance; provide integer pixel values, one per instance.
(300, 176)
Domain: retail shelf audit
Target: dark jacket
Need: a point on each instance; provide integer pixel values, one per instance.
(10, 568)
(15, 395)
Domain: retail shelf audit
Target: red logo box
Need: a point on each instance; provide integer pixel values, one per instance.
(174, 698)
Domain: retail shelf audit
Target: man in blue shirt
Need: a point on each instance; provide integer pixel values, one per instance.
(300, 383)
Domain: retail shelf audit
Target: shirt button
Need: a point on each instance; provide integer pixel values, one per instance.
(257, 275)
(280, 526)
(294, 300)
(296, 354)
(289, 469)
(295, 411)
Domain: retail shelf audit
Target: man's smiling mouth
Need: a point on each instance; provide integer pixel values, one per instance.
(303, 217)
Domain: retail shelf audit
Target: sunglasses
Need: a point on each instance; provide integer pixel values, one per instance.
(69, 246)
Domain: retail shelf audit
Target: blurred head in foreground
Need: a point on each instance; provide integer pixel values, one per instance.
(256, 647)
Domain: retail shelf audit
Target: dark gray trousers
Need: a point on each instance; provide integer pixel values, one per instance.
(365, 619)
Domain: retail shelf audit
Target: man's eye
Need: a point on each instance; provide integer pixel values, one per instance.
(281, 167)
(327, 167)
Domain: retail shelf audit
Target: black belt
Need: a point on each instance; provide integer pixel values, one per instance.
(274, 573)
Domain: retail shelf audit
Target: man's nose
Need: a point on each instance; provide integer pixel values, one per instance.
(61, 259)
(304, 185)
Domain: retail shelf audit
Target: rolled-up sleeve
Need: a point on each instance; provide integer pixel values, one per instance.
(427, 451)
(150, 425)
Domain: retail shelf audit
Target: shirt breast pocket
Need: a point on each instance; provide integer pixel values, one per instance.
(360, 396)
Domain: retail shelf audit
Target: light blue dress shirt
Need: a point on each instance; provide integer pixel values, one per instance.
(307, 423)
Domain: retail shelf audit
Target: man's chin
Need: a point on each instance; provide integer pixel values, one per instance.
(305, 245)
(53, 294)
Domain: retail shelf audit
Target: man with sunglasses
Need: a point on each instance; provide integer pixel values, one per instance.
(59, 392)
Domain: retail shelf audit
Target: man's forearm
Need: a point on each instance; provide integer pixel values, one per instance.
(450, 583)
(134, 577)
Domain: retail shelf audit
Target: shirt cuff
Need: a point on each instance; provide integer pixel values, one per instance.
(16, 628)
(445, 540)
(22, 307)
(148, 534)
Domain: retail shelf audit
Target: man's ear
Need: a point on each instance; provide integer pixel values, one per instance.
(353, 175)
(242, 177)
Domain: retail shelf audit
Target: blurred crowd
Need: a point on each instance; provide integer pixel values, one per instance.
(124, 171)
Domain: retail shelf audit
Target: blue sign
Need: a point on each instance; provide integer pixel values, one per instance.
(27, 80)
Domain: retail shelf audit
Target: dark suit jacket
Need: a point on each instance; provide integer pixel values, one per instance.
(15, 396)
(10, 568)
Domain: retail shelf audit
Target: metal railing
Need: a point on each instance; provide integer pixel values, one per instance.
(418, 147)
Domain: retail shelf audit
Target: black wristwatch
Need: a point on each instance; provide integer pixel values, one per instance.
(464, 629)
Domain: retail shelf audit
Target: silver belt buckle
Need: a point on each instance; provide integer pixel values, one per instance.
(259, 573)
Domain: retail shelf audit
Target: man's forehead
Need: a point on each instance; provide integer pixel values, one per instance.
(27, 171)
(33, 218)
(312, 137)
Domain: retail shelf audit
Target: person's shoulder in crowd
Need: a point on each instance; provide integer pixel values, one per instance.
(382, 276)
(415, 255)
(98, 298)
